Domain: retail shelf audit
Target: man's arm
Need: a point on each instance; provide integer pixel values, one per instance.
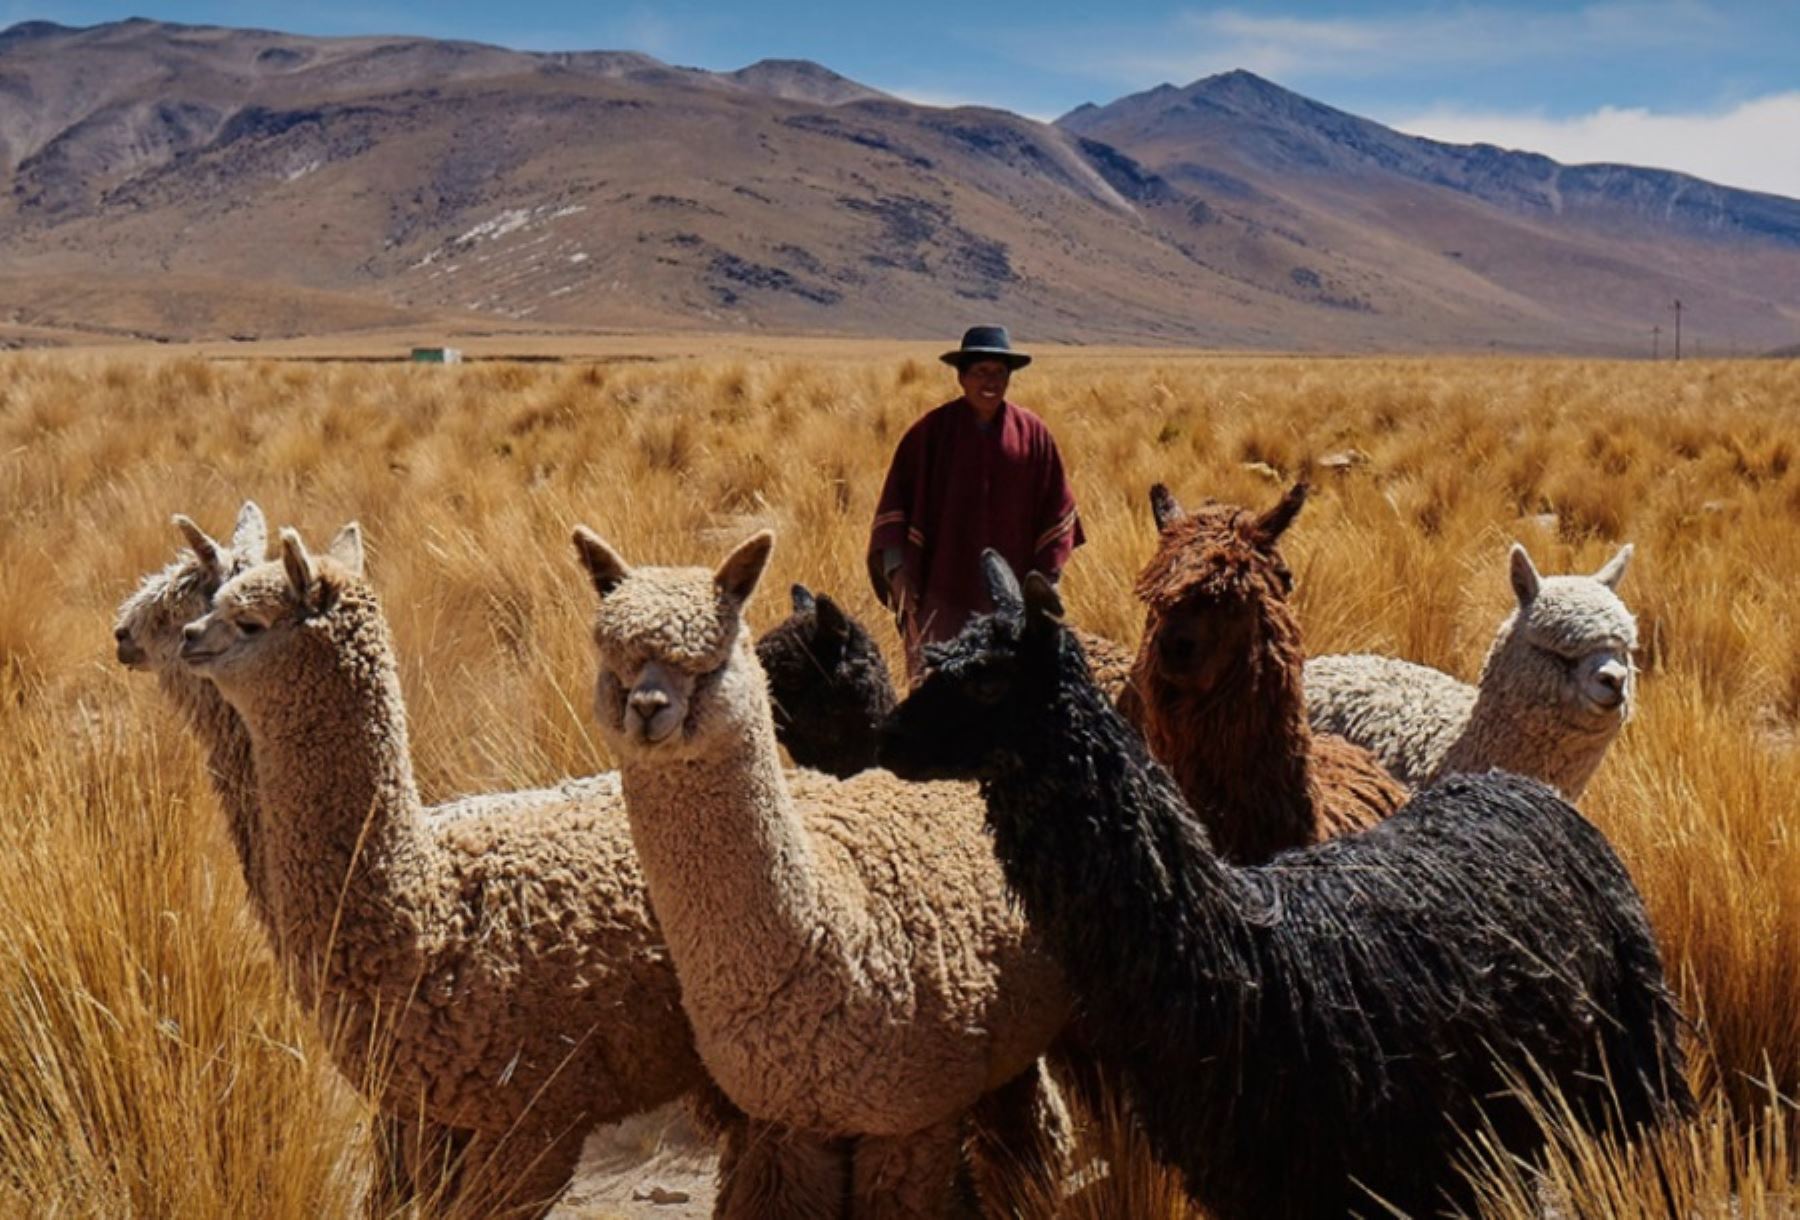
(1058, 523)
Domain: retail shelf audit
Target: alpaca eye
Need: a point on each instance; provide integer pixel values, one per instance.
(249, 627)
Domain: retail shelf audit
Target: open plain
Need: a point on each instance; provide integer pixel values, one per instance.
(155, 1065)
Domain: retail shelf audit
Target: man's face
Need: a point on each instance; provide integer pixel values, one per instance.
(984, 382)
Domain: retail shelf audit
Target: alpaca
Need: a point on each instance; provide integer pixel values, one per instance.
(494, 971)
(850, 963)
(1556, 689)
(828, 684)
(1216, 689)
(1317, 1036)
(147, 637)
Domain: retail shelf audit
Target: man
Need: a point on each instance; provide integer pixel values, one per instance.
(974, 473)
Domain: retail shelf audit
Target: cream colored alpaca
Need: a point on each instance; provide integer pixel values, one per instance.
(850, 962)
(1557, 686)
(496, 971)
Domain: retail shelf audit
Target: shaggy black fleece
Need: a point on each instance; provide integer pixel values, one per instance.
(828, 684)
(1303, 1037)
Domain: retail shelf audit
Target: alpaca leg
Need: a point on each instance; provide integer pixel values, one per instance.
(1021, 1141)
(766, 1170)
(907, 1177)
(415, 1161)
(518, 1176)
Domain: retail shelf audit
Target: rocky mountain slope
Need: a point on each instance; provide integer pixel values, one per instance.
(199, 182)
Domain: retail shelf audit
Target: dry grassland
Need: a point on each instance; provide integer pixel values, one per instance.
(152, 1064)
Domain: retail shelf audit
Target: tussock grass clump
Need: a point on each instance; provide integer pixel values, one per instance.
(154, 1064)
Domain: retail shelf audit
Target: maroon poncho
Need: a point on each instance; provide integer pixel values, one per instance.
(956, 488)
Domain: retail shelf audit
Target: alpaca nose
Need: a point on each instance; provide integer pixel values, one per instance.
(192, 632)
(647, 703)
(121, 635)
(1610, 678)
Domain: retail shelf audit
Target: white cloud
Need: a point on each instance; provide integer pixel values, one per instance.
(1755, 145)
(1200, 42)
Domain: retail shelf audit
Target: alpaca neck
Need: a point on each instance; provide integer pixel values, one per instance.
(345, 832)
(1507, 732)
(1240, 757)
(731, 867)
(1097, 840)
(232, 771)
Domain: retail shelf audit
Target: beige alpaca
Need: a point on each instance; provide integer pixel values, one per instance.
(495, 971)
(850, 961)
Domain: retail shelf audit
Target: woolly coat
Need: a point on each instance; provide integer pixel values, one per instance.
(1532, 712)
(500, 958)
(849, 958)
(1349, 999)
(1216, 688)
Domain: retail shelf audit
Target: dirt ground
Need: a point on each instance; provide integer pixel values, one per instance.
(627, 1168)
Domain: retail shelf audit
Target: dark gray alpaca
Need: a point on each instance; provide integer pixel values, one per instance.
(828, 685)
(1308, 1036)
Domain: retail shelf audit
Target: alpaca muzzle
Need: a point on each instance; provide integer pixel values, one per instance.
(653, 710)
(200, 643)
(130, 654)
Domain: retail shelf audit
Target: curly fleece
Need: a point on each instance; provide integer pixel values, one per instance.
(849, 959)
(1526, 715)
(1216, 688)
(499, 957)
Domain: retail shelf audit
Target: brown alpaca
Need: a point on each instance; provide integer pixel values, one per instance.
(1217, 691)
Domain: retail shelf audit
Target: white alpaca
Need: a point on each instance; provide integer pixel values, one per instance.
(1557, 687)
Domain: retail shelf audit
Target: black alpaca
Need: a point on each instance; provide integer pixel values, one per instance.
(1308, 1036)
(828, 684)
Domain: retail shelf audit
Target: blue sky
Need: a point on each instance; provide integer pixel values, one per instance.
(1703, 85)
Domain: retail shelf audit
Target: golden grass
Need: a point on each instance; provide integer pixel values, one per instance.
(153, 1064)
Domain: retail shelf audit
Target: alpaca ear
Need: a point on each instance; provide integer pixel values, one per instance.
(347, 548)
(604, 567)
(1525, 579)
(250, 537)
(202, 544)
(1164, 507)
(737, 576)
(1043, 604)
(302, 576)
(1614, 571)
(1273, 524)
(1002, 585)
(831, 620)
(802, 598)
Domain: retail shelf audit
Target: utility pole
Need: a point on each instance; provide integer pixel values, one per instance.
(1678, 328)
(1655, 342)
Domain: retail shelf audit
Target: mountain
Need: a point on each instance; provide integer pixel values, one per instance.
(179, 181)
(1606, 249)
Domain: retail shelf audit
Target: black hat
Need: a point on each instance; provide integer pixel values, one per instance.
(986, 343)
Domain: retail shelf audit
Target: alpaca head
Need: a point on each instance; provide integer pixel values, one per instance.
(259, 616)
(1569, 643)
(828, 683)
(982, 707)
(671, 643)
(1216, 593)
(147, 628)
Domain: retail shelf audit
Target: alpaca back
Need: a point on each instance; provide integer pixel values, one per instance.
(1407, 716)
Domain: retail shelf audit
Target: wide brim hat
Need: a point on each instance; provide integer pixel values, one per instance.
(986, 343)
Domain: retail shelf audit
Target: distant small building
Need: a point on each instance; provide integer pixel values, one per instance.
(436, 355)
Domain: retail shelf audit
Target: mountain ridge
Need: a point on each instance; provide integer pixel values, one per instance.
(460, 184)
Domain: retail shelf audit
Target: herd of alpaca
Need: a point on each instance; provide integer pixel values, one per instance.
(856, 979)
